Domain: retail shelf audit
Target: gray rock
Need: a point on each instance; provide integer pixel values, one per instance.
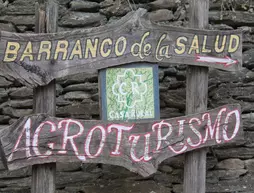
(119, 186)
(95, 97)
(4, 82)
(88, 100)
(227, 174)
(20, 173)
(248, 59)
(116, 172)
(27, 8)
(172, 83)
(66, 178)
(68, 167)
(220, 76)
(19, 104)
(164, 4)
(92, 167)
(7, 27)
(63, 2)
(248, 121)
(59, 89)
(15, 190)
(174, 99)
(27, 20)
(60, 101)
(230, 164)
(170, 112)
(249, 139)
(167, 179)
(114, 7)
(21, 93)
(237, 152)
(82, 87)
(77, 78)
(11, 121)
(221, 27)
(4, 119)
(161, 75)
(16, 183)
(77, 95)
(88, 6)
(78, 110)
(181, 76)
(3, 95)
(171, 71)
(231, 91)
(249, 76)
(161, 15)
(176, 162)
(211, 162)
(237, 5)
(242, 185)
(180, 14)
(163, 89)
(16, 113)
(249, 165)
(165, 168)
(177, 188)
(80, 19)
(232, 18)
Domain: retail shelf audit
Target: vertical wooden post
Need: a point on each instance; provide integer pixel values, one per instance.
(43, 176)
(196, 101)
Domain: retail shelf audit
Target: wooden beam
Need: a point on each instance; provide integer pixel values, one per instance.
(39, 58)
(196, 101)
(43, 176)
(139, 146)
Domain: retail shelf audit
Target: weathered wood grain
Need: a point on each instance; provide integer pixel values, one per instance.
(196, 101)
(140, 147)
(44, 175)
(134, 38)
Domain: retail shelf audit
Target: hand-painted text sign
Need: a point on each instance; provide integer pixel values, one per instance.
(38, 58)
(130, 92)
(139, 147)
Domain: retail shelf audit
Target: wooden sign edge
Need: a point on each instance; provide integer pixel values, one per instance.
(143, 168)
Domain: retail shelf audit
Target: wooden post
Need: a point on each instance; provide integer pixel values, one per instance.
(43, 176)
(196, 101)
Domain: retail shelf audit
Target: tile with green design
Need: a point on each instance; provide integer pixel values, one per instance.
(130, 93)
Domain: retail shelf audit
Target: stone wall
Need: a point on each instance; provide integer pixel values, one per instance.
(230, 168)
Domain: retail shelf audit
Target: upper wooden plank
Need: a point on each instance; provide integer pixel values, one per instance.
(139, 146)
(36, 59)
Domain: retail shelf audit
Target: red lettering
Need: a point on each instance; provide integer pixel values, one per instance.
(215, 128)
(134, 140)
(71, 138)
(181, 146)
(119, 132)
(88, 141)
(26, 129)
(36, 139)
(198, 134)
(237, 125)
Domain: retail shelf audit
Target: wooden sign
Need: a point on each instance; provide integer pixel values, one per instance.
(139, 147)
(36, 59)
(130, 92)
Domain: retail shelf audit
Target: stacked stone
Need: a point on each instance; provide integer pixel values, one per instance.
(230, 168)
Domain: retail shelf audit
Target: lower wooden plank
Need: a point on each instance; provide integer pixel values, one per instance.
(139, 147)
(43, 178)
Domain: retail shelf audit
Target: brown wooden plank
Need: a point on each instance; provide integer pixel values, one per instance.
(43, 175)
(196, 101)
(140, 147)
(132, 39)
